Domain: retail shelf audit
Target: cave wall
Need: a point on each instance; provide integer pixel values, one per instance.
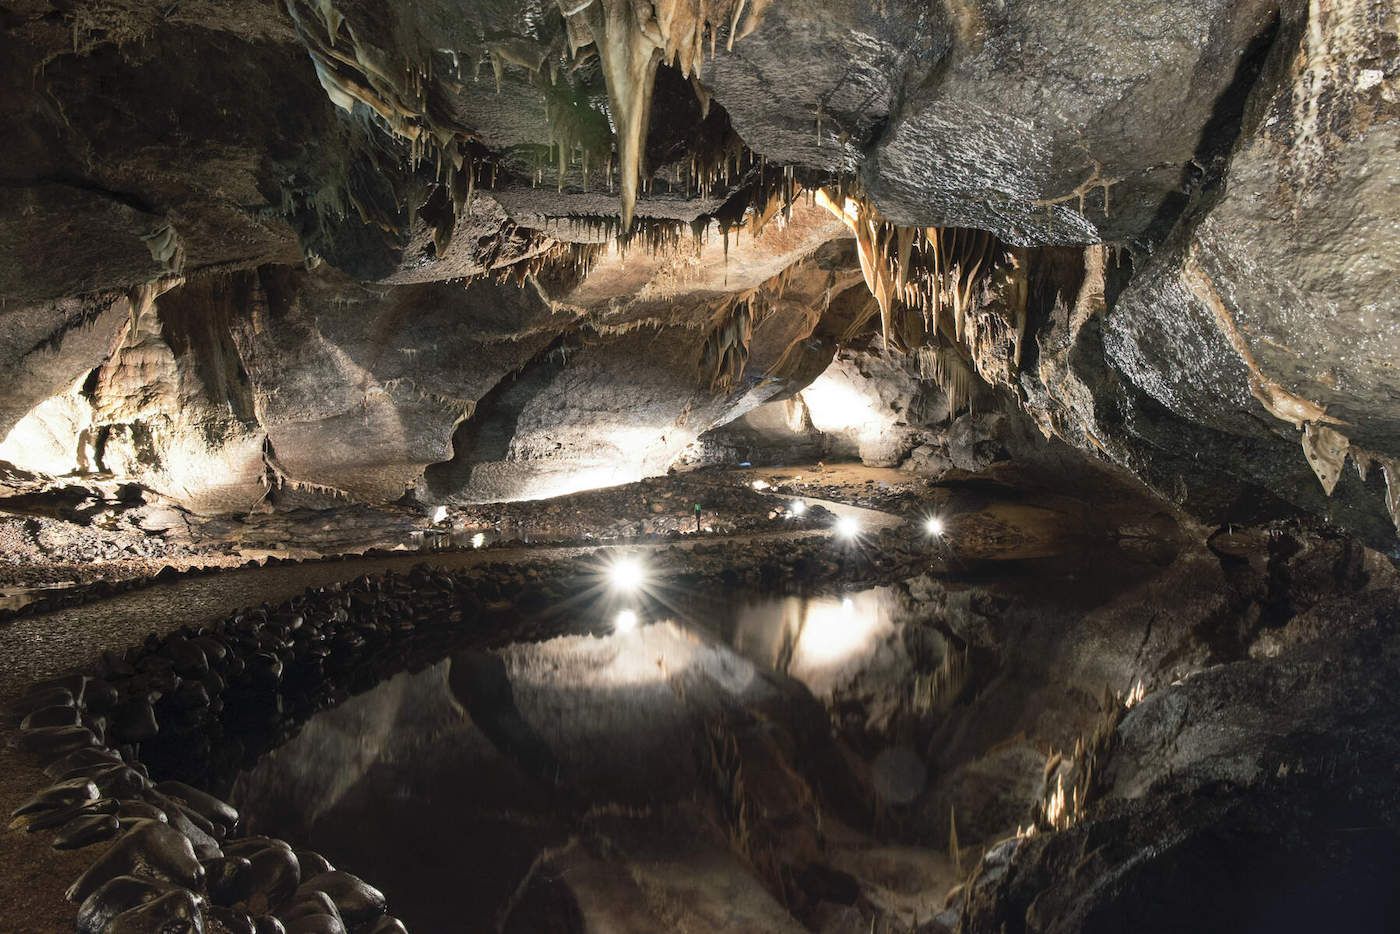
(293, 387)
(1238, 366)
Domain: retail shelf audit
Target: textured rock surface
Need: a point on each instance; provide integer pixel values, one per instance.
(1227, 798)
(1236, 353)
(1263, 309)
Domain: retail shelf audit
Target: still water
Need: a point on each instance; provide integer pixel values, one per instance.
(587, 781)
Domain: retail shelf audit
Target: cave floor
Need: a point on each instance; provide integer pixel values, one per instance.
(76, 531)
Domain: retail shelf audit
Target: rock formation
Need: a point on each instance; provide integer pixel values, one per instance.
(260, 254)
(291, 276)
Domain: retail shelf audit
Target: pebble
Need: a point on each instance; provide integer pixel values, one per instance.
(64, 794)
(47, 820)
(231, 920)
(57, 740)
(66, 764)
(134, 722)
(312, 863)
(115, 896)
(57, 715)
(176, 912)
(48, 697)
(131, 811)
(211, 808)
(356, 900)
(308, 902)
(149, 847)
(120, 781)
(316, 924)
(84, 831)
(192, 826)
(227, 879)
(272, 878)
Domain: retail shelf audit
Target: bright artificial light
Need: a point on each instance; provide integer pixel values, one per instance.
(798, 507)
(627, 574)
(439, 514)
(934, 526)
(626, 621)
(478, 539)
(834, 405)
(847, 527)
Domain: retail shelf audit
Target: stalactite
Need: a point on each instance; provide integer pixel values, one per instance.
(945, 293)
(725, 352)
(632, 40)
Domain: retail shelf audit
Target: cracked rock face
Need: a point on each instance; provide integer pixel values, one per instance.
(262, 255)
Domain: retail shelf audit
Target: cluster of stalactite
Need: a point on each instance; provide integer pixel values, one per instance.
(725, 353)
(955, 298)
(724, 356)
(578, 242)
(1062, 804)
(623, 40)
(631, 40)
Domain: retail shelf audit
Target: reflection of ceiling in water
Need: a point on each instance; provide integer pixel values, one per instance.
(824, 642)
(477, 757)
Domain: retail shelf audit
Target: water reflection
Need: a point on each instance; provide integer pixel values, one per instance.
(445, 786)
(824, 642)
(15, 598)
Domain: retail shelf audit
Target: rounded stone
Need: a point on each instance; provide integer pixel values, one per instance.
(213, 809)
(115, 896)
(61, 795)
(357, 900)
(231, 920)
(57, 715)
(85, 831)
(226, 878)
(176, 912)
(150, 847)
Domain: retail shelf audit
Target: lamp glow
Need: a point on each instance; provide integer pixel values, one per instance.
(847, 527)
(934, 526)
(626, 621)
(798, 507)
(626, 574)
(478, 539)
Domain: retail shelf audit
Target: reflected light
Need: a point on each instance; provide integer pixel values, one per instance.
(847, 527)
(834, 632)
(626, 621)
(439, 514)
(626, 574)
(933, 526)
(760, 485)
